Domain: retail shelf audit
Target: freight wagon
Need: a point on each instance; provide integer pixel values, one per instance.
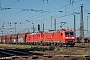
(14, 38)
(0, 39)
(3, 39)
(8, 38)
(21, 38)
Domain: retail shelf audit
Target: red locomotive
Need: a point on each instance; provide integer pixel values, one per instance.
(55, 37)
(60, 37)
(41, 38)
(34, 38)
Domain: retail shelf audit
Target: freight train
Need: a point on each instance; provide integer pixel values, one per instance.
(60, 37)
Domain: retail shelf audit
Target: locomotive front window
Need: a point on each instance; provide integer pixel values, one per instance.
(69, 33)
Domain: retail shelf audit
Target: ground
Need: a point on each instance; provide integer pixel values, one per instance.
(80, 51)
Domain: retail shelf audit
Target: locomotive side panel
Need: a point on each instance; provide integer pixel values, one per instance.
(33, 37)
(62, 36)
(56, 37)
(48, 37)
(27, 38)
(40, 36)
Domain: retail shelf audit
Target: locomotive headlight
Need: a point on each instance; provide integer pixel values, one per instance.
(73, 37)
(66, 37)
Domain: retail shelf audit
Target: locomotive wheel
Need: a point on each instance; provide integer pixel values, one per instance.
(61, 44)
(72, 45)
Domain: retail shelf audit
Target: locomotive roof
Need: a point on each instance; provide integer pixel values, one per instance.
(60, 31)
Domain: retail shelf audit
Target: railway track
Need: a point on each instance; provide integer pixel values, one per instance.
(27, 54)
(16, 53)
(12, 54)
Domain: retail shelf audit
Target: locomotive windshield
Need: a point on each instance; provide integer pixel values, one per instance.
(69, 33)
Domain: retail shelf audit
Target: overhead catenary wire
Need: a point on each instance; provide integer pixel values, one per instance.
(0, 4)
(34, 17)
(35, 4)
(50, 11)
(53, 10)
(18, 11)
(13, 3)
(8, 5)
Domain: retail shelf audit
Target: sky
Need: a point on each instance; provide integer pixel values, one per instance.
(26, 13)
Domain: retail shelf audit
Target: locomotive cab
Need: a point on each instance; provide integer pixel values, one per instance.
(70, 38)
